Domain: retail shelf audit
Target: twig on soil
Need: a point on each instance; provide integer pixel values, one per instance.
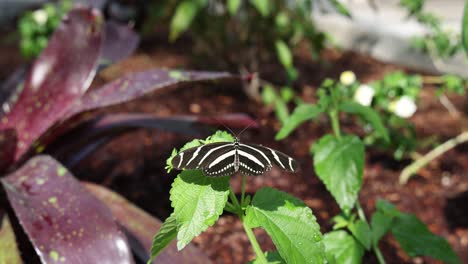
(414, 167)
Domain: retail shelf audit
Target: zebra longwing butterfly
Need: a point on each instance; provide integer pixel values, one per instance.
(226, 158)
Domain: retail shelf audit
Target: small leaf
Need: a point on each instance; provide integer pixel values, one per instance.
(281, 110)
(417, 240)
(63, 221)
(290, 224)
(339, 163)
(198, 201)
(183, 17)
(380, 224)
(272, 258)
(268, 94)
(362, 232)
(262, 6)
(301, 114)
(368, 114)
(166, 234)
(233, 6)
(284, 54)
(9, 252)
(343, 248)
(465, 28)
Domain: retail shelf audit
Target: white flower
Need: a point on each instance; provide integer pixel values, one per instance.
(403, 107)
(40, 16)
(347, 77)
(364, 95)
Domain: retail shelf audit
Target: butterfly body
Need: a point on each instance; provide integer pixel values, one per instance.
(226, 158)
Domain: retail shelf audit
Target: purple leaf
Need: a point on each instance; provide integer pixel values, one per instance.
(119, 42)
(58, 77)
(64, 222)
(7, 148)
(136, 85)
(9, 252)
(11, 88)
(143, 227)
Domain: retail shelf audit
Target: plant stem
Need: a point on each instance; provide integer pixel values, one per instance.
(240, 212)
(428, 79)
(256, 247)
(431, 155)
(375, 248)
(335, 123)
(244, 178)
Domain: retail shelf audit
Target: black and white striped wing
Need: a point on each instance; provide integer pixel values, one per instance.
(274, 157)
(221, 163)
(253, 161)
(199, 157)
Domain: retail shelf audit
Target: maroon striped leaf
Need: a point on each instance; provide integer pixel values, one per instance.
(64, 222)
(58, 77)
(120, 41)
(142, 227)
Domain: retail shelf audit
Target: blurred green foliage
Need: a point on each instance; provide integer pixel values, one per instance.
(35, 27)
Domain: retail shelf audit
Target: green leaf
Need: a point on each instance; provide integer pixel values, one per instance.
(183, 17)
(417, 240)
(262, 6)
(362, 232)
(387, 208)
(380, 224)
(290, 224)
(166, 234)
(268, 94)
(233, 6)
(301, 114)
(342, 248)
(272, 258)
(465, 28)
(367, 114)
(339, 163)
(198, 201)
(340, 8)
(281, 111)
(284, 53)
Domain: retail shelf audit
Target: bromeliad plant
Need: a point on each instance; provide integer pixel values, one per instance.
(339, 163)
(65, 220)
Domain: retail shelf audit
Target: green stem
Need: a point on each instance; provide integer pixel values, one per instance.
(244, 178)
(256, 247)
(236, 203)
(335, 123)
(431, 155)
(375, 248)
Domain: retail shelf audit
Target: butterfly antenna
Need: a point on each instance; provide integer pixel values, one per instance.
(221, 122)
(251, 124)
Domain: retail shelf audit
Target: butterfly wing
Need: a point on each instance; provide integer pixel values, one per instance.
(199, 157)
(221, 164)
(253, 161)
(277, 158)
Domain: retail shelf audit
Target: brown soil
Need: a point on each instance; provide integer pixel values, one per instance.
(133, 164)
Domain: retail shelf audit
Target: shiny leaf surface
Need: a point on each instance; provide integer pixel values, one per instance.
(64, 222)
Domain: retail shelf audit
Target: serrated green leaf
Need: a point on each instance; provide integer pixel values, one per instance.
(290, 224)
(284, 53)
(301, 114)
(198, 201)
(362, 232)
(417, 240)
(272, 258)
(367, 114)
(339, 163)
(166, 234)
(465, 28)
(233, 6)
(380, 224)
(342, 248)
(262, 6)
